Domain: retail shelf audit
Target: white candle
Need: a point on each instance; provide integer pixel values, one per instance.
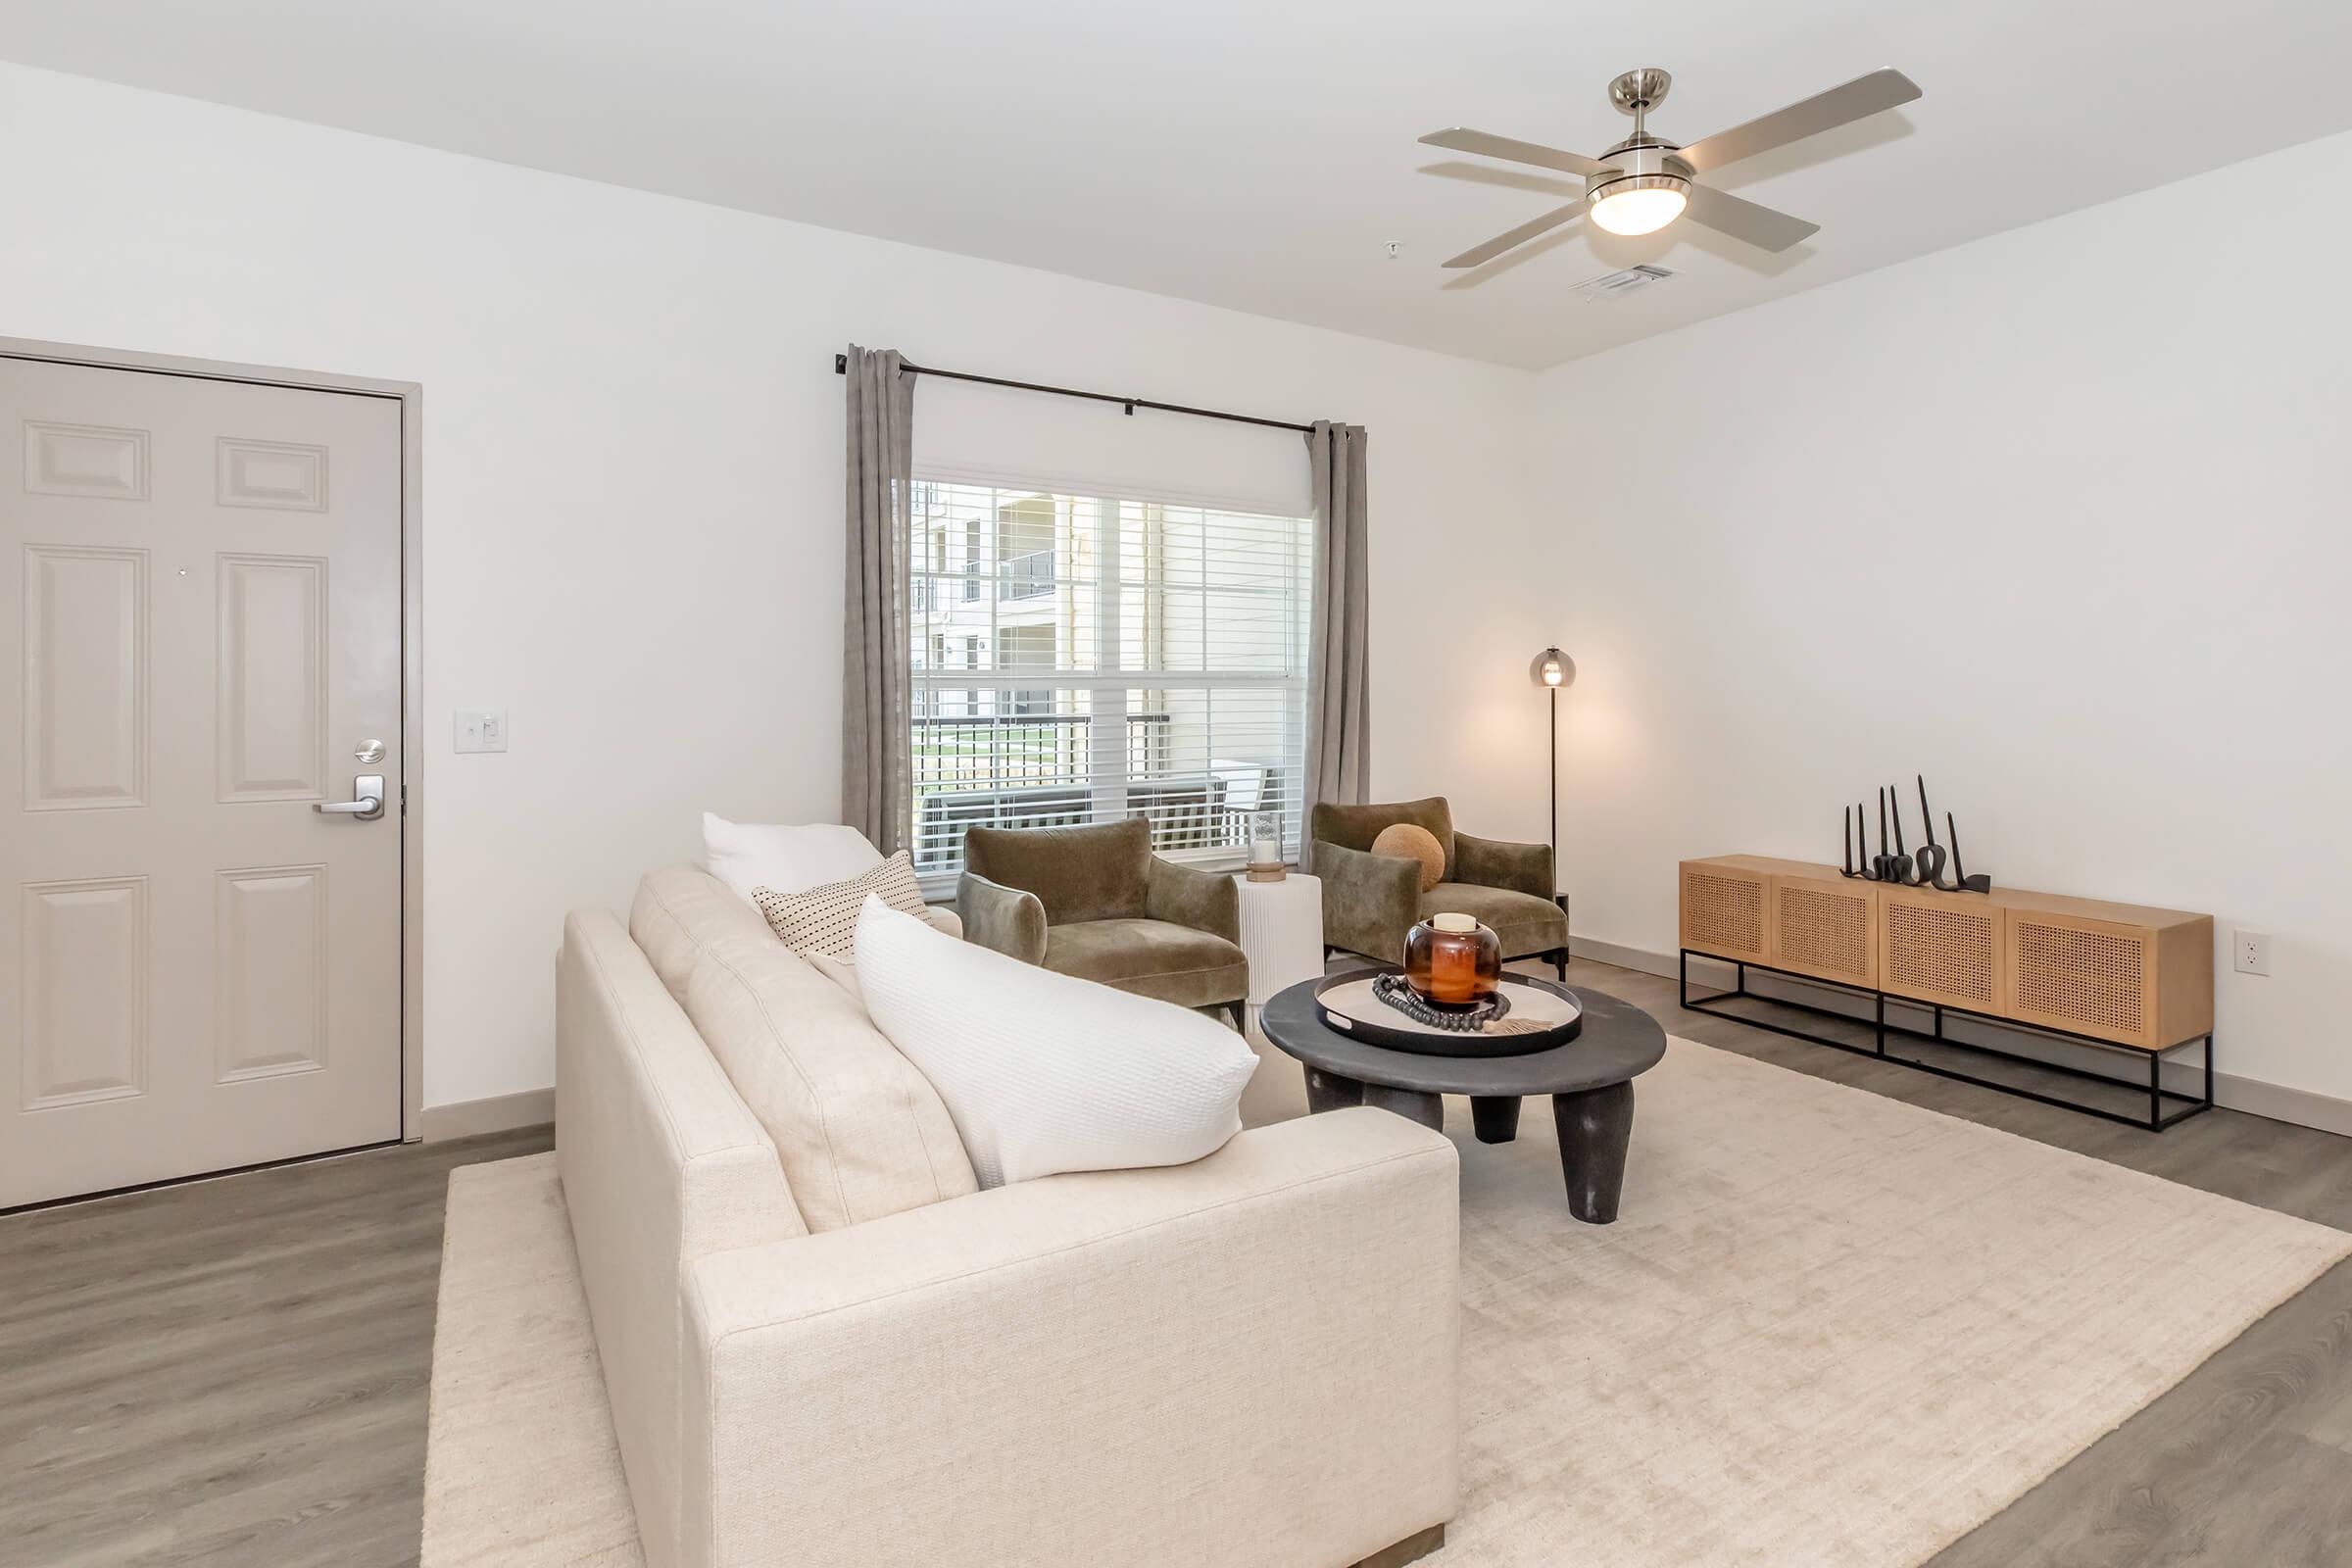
(1264, 852)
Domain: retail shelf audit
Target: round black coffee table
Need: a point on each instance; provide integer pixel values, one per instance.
(1590, 1079)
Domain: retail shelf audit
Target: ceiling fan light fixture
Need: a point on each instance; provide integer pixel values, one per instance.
(1645, 182)
(1640, 203)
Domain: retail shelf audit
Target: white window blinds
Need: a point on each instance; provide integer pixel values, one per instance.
(1087, 658)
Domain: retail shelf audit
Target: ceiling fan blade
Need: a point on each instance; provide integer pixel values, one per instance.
(1518, 236)
(1741, 219)
(1518, 152)
(1839, 106)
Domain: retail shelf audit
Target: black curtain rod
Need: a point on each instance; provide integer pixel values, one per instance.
(841, 366)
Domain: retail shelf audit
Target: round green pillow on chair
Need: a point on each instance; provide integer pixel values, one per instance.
(1409, 841)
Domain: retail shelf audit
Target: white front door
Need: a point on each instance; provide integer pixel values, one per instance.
(199, 969)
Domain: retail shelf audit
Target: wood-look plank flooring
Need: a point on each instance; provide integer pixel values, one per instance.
(231, 1372)
(234, 1372)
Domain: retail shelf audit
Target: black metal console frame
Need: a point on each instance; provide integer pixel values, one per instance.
(2156, 1120)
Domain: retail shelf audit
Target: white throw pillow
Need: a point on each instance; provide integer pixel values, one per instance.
(1045, 1072)
(781, 858)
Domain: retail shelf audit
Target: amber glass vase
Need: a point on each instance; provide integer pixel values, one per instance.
(1453, 961)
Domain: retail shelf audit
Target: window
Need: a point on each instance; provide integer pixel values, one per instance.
(926, 582)
(1025, 548)
(1137, 659)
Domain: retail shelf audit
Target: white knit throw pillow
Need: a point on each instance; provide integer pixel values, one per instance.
(1045, 1072)
(824, 919)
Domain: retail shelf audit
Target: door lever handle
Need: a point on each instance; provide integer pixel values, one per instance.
(366, 803)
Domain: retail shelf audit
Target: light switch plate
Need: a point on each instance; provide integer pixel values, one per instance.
(481, 729)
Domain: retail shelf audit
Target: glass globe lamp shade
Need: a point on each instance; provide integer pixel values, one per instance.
(1641, 205)
(1552, 668)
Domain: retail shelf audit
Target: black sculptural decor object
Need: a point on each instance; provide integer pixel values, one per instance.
(1897, 865)
(1931, 855)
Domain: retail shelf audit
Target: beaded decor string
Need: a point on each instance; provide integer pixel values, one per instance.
(1397, 993)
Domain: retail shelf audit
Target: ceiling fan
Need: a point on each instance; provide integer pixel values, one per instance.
(1644, 183)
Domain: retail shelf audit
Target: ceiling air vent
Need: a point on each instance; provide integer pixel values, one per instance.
(1616, 285)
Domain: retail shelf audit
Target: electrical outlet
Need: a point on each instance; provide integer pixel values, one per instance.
(481, 729)
(2253, 951)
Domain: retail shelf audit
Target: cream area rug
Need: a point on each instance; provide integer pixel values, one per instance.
(521, 1465)
(1828, 1329)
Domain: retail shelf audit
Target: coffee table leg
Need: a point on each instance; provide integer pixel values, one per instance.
(1427, 1110)
(1595, 1126)
(1495, 1116)
(1328, 1091)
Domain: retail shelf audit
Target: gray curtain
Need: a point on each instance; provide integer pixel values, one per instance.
(1339, 682)
(876, 790)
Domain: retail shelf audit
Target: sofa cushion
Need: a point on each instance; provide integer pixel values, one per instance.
(1045, 1072)
(1097, 872)
(858, 1127)
(1523, 922)
(1151, 958)
(681, 910)
(841, 971)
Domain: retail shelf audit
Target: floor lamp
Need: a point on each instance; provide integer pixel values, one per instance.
(1552, 670)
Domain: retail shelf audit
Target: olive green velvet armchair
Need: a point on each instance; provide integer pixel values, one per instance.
(1371, 901)
(1096, 903)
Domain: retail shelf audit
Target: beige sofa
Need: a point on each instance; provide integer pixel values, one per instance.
(822, 1344)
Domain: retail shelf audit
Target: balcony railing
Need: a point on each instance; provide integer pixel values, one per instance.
(1037, 770)
(1026, 576)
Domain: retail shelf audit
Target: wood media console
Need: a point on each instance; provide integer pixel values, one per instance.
(2133, 983)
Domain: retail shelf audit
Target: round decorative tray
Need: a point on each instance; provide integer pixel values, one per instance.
(1540, 1016)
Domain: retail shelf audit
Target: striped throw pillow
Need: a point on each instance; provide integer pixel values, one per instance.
(824, 918)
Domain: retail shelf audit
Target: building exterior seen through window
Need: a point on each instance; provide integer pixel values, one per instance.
(1085, 658)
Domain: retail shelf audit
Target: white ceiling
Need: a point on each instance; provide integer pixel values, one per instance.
(1257, 154)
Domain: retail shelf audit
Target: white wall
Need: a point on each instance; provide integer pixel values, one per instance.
(2059, 518)
(633, 476)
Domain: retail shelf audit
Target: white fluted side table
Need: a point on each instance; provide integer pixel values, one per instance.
(1282, 935)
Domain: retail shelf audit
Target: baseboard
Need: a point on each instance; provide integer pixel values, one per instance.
(1623, 957)
(2302, 1108)
(468, 1118)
